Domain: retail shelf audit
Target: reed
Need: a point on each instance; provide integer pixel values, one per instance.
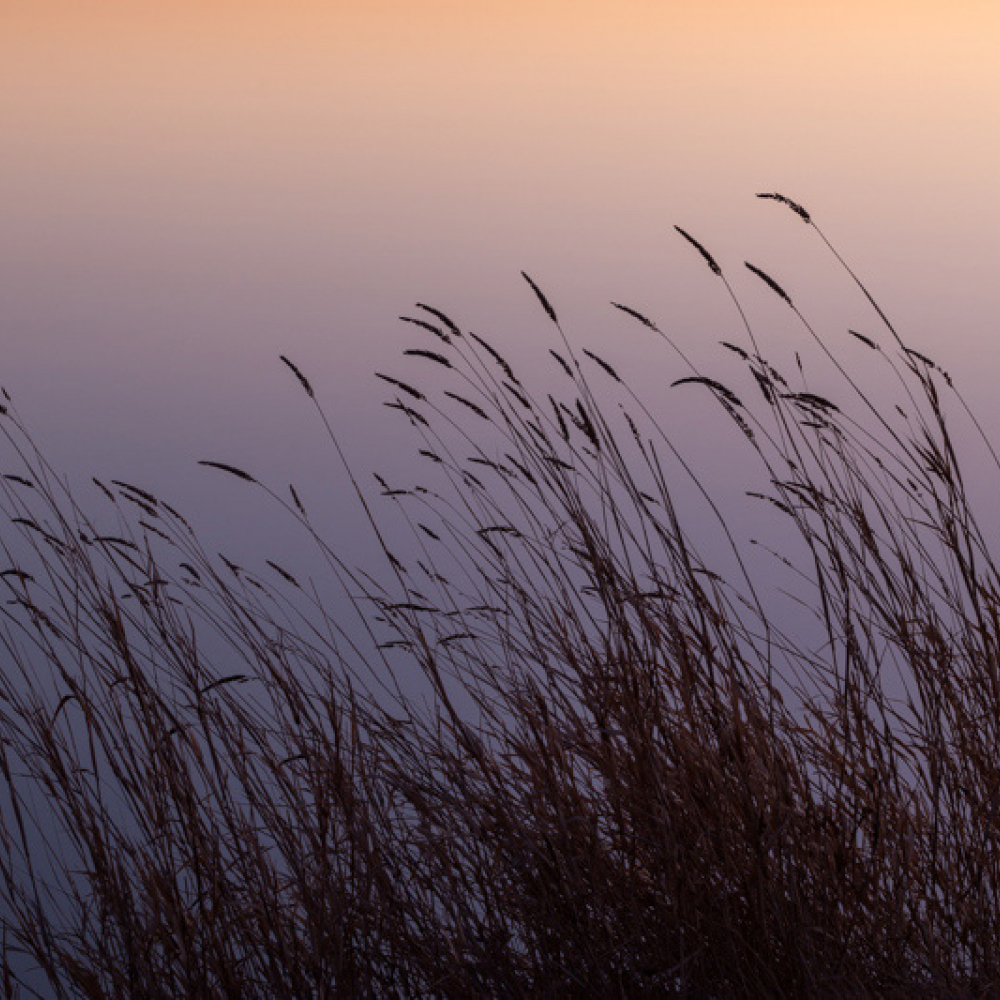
(628, 770)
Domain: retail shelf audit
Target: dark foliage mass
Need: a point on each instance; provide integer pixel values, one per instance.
(622, 773)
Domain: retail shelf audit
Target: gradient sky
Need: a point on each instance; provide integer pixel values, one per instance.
(189, 189)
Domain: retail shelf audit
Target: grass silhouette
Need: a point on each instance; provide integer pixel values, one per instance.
(624, 774)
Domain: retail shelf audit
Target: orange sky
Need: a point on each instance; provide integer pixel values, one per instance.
(500, 85)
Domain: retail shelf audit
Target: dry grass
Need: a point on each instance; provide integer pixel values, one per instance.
(625, 774)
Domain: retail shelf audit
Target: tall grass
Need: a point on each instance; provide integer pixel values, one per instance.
(623, 772)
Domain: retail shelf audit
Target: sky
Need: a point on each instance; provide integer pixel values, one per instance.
(191, 189)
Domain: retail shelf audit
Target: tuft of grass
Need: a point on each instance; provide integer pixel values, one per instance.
(628, 769)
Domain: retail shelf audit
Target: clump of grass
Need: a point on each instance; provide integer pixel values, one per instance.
(626, 771)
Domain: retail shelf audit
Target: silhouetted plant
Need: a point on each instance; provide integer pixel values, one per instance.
(625, 773)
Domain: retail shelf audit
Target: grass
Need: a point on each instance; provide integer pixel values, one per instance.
(625, 772)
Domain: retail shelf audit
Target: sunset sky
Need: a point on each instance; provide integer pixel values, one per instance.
(189, 189)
